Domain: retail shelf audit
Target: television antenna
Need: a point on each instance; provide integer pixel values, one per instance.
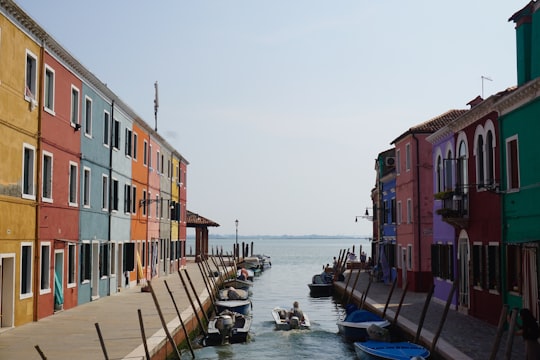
(484, 78)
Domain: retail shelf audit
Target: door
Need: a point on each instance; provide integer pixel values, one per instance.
(7, 290)
(58, 280)
(530, 279)
(463, 264)
(95, 271)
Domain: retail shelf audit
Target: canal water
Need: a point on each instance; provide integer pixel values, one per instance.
(294, 262)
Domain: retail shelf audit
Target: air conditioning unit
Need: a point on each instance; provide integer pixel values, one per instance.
(390, 161)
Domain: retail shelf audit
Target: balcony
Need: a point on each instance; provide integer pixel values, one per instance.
(455, 208)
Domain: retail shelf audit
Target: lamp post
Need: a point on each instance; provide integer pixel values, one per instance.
(236, 248)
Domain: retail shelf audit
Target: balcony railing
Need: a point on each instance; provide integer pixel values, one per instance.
(455, 208)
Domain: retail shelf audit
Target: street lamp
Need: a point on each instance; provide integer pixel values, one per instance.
(365, 216)
(236, 251)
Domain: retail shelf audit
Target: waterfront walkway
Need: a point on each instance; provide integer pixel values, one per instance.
(72, 334)
(462, 337)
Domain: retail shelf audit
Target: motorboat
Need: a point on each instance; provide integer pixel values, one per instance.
(284, 322)
(237, 284)
(250, 274)
(356, 323)
(321, 285)
(239, 306)
(384, 350)
(228, 328)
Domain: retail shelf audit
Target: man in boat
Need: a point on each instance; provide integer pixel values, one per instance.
(296, 311)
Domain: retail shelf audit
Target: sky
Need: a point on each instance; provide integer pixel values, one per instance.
(282, 106)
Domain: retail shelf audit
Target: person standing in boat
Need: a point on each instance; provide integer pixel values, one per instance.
(296, 311)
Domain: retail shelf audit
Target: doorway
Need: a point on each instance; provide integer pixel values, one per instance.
(463, 266)
(7, 293)
(58, 280)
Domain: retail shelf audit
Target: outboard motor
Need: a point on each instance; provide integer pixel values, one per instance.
(224, 323)
(294, 322)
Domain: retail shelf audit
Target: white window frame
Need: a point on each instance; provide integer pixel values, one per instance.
(45, 268)
(72, 265)
(88, 118)
(107, 128)
(30, 85)
(115, 195)
(74, 114)
(509, 164)
(73, 171)
(145, 153)
(105, 192)
(47, 181)
(29, 182)
(87, 187)
(30, 272)
(398, 161)
(409, 211)
(49, 91)
(408, 157)
(134, 144)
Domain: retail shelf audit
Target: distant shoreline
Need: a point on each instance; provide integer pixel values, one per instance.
(269, 237)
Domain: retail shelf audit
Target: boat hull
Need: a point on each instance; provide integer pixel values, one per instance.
(239, 306)
(355, 325)
(381, 350)
(319, 290)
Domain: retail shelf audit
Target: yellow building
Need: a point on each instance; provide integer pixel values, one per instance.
(20, 72)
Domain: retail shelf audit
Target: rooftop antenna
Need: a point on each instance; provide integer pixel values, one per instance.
(484, 78)
(156, 104)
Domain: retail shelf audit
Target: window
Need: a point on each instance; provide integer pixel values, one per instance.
(74, 106)
(393, 210)
(114, 195)
(512, 163)
(480, 162)
(134, 199)
(127, 198)
(135, 140)
(104, 192)
(385, 212)
(490, 159)
(157, 207)
(493, 267)
(462, 174)
(144, 202)
(26, 270)
(407, 157)
(150, 157)
(72, 255)
(48, 90)
(113, 258)
(86, 187)
(168, 169)
(72, 184)
(162, 164)
(106, 128)
(88, 117)
(409, 257)
(398, 161)
(128, 144)
(478, 266)
(116, 134)
(145, 153)
(143, 254)
(149, 207)
(86, 262)
(28, 191)
(440, 171)
(157, 162)
(442, 261)
(409, 211)
(448, 172)
(30, 90)
(46, 189)
(45, 257)
(399, 213)
(104, 260)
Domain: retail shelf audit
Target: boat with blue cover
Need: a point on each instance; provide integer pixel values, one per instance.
(355, 324)
(383, 350)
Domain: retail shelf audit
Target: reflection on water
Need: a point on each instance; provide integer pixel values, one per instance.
(294, 262)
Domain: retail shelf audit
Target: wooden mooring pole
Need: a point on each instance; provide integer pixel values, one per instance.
(389, 297)
(500, 330)
(143, 335)
(186, 334)
(445, 314)
(191, 302)
(102, 343)
(41, 354)
(423, 315)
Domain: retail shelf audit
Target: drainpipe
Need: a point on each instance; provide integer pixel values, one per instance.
(37, 255)
(110, 193)
(418, 223)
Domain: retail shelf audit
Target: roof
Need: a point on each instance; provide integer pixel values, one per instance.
(196, 220)
(434, 124)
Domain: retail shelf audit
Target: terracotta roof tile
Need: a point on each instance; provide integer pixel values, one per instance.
(196, 220)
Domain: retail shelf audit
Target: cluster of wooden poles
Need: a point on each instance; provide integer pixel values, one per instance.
(500, 329)
(212, 286)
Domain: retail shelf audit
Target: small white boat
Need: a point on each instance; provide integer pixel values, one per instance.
(283, 322)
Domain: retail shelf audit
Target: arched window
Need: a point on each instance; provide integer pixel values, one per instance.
(448, 171)
(440, 184)
(480, 165)
(461, 168)
(490, 159)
